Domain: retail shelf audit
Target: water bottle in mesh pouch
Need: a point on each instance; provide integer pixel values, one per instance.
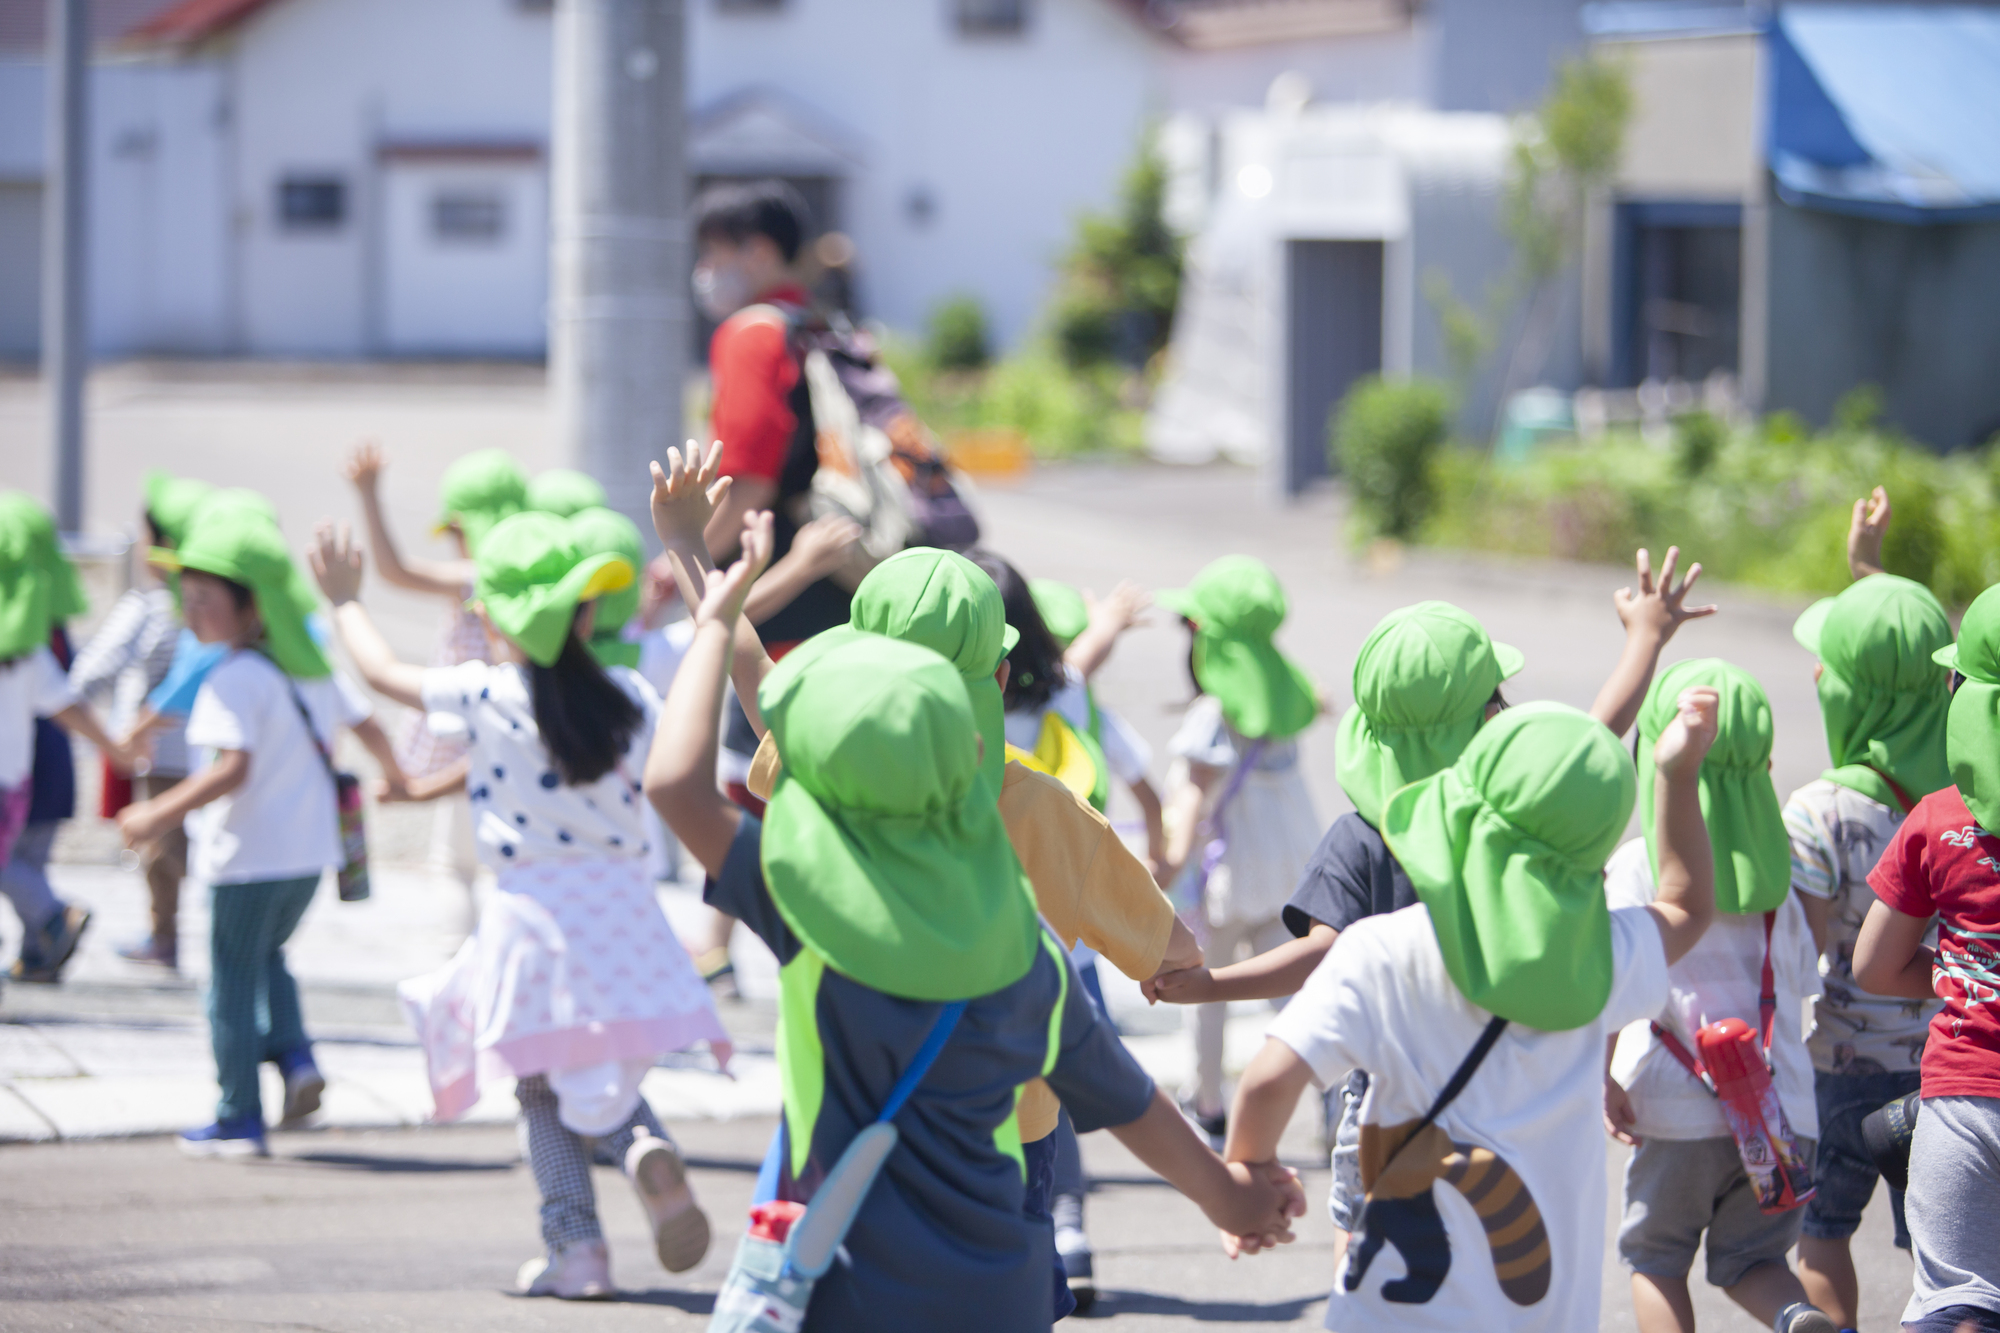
(763, 1293)
(1734, 1057)
(353, 839)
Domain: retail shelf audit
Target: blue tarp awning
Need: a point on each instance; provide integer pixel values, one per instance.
(1887, 112)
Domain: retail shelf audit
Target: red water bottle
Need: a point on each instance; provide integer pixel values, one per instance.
(1733, 1057)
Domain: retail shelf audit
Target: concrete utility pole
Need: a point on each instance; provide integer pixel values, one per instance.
(65, 250)
(618, 307)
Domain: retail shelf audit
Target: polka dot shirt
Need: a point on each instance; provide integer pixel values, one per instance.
(522, 811)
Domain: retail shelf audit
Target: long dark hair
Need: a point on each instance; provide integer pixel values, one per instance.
(586, 721)
(1035, 665)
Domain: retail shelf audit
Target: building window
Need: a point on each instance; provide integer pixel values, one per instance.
(312, 203)
(468, 217)
(991, 18)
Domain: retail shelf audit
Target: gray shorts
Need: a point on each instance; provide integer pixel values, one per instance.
(1675, 1189)
(1954, 1183)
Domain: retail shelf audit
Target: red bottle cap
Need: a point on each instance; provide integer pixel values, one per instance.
(773, 1221)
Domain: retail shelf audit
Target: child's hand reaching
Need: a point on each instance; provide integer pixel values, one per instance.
(1683, 744)
(1619, 1117)
(1659, 608)
(364, 466)
(724, 591)
(824, 544)
(1192, 985)
(1865, 533)
(1124, 608)
(685, 495)
(336, 562)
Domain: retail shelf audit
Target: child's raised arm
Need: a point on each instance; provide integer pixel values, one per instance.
(1651, 616)
(336, 565)
(680, 767)
(446, 578)
(1865, 532)
(1686, 900)
(1109, 618)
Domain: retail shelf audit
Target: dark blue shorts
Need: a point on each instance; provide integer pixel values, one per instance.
(1040, 1159)
(1957, 1319)
(1845, 1173)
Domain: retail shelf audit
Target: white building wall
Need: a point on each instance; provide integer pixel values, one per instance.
(318, 86)
(1010, 137)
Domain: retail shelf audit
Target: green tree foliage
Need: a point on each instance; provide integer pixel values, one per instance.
(1122, 277)
(1385, 437)
(957, 337)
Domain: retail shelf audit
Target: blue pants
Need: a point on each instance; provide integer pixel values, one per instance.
(1040, 1159)
(253, 1003)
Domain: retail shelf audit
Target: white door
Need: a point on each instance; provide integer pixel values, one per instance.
(466, 258)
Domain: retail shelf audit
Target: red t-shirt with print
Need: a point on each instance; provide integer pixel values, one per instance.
(753, 371)
(1942, 863)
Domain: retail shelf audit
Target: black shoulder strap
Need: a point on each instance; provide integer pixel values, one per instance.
(1466, 1068)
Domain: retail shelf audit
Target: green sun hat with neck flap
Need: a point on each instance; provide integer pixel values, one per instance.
(1972, 727)
(1506, 848)
(531, 577)
(565, 492)
(172, 501)
(39, 588)
(1062, 607)
(1746, 825)
(238, 541)
(1237, 605)
(607, 532)
(941, 601)
(478, 491)
(1421, 686)
(1883, 695)
(880, 847)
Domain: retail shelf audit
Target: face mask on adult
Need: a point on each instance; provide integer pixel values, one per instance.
(721, 289)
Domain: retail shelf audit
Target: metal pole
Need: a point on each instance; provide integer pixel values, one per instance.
(65, 250)
(618, 309)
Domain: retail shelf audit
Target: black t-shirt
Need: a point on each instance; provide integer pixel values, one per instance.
(1352, 875)
(941, 1241)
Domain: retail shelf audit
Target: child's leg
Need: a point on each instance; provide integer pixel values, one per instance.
(1747, 1249)
(26, 884)
(1767, 1289)
(1207, 1021)
(561, 1165)
(646, 1153)
(1826, 1272)
(619, 1141)
(283, 1026)
(1039, 1160)
(1670, 1192)
(238, 927)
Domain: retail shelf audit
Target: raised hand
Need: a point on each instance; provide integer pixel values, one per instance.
(1686, 740)
(1123, 608)
(336, 562)
(1660, 605)
(685, 494)
(364, 466)
(824, 543)
(1865, 532)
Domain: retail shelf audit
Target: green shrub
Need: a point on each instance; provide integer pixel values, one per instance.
(1383, 437)
(956, 338)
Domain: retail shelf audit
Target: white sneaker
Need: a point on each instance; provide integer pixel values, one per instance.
(578, 1271)
(659, 1178)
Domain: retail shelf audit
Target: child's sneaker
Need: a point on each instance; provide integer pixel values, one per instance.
(659, 1177)
(1073, 1247)
(58, 941)
(156, 952)
(1803, 1318)
(242, 1137)
(578, 1271)
(303, 1085)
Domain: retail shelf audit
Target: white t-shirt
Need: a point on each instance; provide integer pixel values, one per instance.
(281, 823)
(1382, 1001)
(521, 810)
(661, 651)
(1125, 754)
(1719, 978)
(30, 687)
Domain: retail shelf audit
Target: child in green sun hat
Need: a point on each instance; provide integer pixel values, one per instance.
(883, 879)
(262, 814)
(1237, 773)
(601, 531)
(1929, 935)
(1883, 702)
(39, 590)
(1686, 1183)
(574, 983)
(1482, 1015)
(565, 492)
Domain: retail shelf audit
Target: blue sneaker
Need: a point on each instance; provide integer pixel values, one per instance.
(303, 1085)
(242, 1137)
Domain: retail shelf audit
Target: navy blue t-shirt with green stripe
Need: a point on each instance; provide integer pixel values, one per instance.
(941, 1241)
